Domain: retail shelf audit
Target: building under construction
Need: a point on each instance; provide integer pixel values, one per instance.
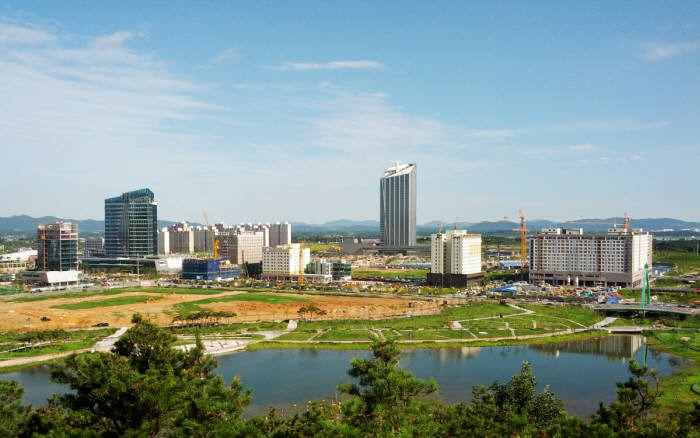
(560, 256)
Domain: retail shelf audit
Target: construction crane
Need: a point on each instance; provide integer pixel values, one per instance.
(301, 263)
(214, 241)
(43, 244)
(523, 238)
(625, 222)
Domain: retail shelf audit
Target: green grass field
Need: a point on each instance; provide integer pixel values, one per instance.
(58, 341)
(684, 262)
(29, 298)
(675, 389)
(184, 309)
(407, 273)
(345, 335)
(117, 301)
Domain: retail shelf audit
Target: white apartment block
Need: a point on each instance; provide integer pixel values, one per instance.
(455, 252)
(569, 257)
(242, 246)
(181, 238)
(285, 259)
(163, 241)
(202, 239)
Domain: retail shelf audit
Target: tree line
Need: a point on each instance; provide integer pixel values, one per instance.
(145, 388)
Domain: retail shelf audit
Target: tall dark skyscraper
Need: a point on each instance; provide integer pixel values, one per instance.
(397, 205)
(131, 228)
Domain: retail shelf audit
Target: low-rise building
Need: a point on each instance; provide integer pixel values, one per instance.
(285, 260)
(209, 269)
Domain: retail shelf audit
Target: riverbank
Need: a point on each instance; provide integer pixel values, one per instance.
(676, 393)
(363, 345)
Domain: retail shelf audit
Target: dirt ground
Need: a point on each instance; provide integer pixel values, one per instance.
(27, 316)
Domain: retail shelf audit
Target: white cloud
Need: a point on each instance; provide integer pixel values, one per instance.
(585, 147)
(98, 113)
(332, 65)
(23, 35)
(230, 54)
(656, 51)
(492, 134)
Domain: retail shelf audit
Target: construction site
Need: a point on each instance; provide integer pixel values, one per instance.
(162, 306)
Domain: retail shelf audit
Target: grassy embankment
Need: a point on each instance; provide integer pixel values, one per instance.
(435, 327)
(117, 301)
(683, 262)
(675, 389)
(360, 345)
(184, 309)
(47, 342)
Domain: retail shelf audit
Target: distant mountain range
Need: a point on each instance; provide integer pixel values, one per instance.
(27, 225)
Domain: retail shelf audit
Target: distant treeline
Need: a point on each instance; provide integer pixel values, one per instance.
(677, 245)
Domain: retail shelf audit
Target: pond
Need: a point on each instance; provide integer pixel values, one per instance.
(582, 373)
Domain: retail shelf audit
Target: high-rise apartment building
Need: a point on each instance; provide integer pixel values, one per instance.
(181, 238)
(131, 228)
(242, 246)
(280, 234)
(397, 205)
(57, 247)
(569, 257)
(455, 252)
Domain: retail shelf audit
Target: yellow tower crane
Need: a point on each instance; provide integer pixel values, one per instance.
(214, 241)
(523, 238)
(301, 263)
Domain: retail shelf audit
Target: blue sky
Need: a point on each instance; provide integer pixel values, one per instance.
(264, 111)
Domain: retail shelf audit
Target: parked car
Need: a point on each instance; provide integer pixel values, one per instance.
(101, 324)
(45, 318)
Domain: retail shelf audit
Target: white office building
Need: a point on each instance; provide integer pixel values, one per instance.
(397, 206)
(285, 260)
(569, 257)
(455, 252)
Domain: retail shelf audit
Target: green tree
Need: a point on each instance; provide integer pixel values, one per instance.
(147, 388)
(386, 399)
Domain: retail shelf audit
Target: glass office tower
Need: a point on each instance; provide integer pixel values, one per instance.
(397, 205)
(131, 228)
(57, 247)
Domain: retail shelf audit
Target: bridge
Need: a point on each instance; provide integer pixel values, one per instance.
(660, 308)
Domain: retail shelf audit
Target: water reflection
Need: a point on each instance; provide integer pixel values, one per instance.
(614, 347)
(581, 373)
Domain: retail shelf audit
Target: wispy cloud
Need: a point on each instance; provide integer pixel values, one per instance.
(657, 51)
(14, 34)
(96, 106)
(492, 134)
(585, 147)
(230, 54)
(331, 65)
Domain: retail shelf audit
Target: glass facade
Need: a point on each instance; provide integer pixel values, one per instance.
(397, 206)
(131, 225)
(57, 247)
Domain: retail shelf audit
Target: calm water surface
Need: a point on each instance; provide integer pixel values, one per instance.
(581, 373)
